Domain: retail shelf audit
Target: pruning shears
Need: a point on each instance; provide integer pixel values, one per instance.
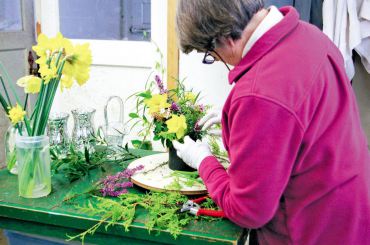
(193, 207)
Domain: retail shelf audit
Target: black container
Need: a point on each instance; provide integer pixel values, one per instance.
(176, 163)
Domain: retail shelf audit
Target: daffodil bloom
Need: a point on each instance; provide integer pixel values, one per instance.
(157, 102)
(177, 125)
(189, 96)
(66, 82)
(43, 46)
(48, 73)
(31, 84)
(16, 114)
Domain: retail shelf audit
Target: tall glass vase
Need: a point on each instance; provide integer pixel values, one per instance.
(33, 156)
(10, 152)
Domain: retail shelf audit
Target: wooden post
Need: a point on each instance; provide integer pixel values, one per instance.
(172, 50)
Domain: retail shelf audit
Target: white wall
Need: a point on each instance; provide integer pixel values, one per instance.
(210, 80)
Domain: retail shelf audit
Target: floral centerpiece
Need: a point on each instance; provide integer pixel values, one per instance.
(61, 63)
(168, 114)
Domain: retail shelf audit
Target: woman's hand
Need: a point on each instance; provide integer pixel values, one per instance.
(191, 152)
(213, 117)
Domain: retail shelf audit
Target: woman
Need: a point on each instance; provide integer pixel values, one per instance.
(300, 166)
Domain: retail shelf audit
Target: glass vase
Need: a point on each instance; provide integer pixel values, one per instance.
(58, 134)
(33, 156)
(10, 152)
(83, 129)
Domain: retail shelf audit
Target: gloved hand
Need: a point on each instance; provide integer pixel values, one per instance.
(211, 118)
(191, 152)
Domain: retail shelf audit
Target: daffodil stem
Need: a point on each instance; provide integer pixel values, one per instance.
(51, 95)
(4, 104)
(7, 79)
(5, 90)
(25, 103)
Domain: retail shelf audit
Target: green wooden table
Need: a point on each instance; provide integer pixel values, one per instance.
(49, 216)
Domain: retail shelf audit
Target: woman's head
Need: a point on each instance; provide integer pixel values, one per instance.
(201, 24)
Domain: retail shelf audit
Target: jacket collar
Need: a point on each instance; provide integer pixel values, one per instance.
(263, 45)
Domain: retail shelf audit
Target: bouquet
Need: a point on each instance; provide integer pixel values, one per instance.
(167, 114)
(60, 64)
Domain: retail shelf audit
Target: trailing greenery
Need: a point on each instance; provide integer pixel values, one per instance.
(76, 164)
(163, 212)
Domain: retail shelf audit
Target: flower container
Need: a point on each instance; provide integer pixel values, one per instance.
(176, 163)
(33, 157)
(10, 152)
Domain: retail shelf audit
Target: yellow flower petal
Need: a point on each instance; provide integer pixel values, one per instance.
(156, 103)
(16, 114)
(177, 125)
(31, 84)
(66, 82)
(48, 73)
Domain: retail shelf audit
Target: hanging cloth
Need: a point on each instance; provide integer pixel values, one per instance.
(347, 24)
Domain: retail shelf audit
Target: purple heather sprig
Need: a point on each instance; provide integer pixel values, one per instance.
(160, 85)
(117, 184)
(175, 107)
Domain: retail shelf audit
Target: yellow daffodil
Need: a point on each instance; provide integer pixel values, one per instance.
(31, 84)
(66, 82)
(43, 46)
(157, 102)
(16, 114)
(78, 63)
(189, 96)
(48, 73)
(177, 125)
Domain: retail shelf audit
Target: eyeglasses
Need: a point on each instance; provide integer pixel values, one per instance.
(209, 59)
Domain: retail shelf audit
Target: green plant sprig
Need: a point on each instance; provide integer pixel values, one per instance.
(162, 212)
(77, 164)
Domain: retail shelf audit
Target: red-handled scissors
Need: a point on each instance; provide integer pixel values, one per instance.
(193, 207)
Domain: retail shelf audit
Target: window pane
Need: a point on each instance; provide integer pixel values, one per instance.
(105, 20)
(10, 15)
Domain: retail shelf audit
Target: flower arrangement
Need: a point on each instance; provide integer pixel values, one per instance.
(167, 114)
(61, 63)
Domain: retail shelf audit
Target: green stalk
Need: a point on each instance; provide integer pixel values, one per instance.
(36, 111)
(7, 78)
(5, 90)
(25, 102)
(4, 104)
(51, 98)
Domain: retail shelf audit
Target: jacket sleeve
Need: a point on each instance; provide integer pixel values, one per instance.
(264, 142)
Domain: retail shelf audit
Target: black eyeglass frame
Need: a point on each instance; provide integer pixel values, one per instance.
(208, 61)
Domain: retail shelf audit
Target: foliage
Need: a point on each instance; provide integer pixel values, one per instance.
(162, 212)
(77, 164)
(168, 114)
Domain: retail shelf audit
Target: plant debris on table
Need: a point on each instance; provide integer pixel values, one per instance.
(162, 212)
(77, 164)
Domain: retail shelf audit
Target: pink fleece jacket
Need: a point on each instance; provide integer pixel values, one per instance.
(300, 165)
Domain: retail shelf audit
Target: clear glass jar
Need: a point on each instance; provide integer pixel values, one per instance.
(10, 151)
(83, 130)
(58, 133)
(34, 175)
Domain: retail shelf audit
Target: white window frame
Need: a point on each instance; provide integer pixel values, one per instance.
(113, 52)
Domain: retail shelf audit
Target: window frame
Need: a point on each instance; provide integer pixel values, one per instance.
(114, 52)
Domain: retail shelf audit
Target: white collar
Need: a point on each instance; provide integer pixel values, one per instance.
(272, 18)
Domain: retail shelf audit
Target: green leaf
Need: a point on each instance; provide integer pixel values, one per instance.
(133, 115)
(146, 95)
